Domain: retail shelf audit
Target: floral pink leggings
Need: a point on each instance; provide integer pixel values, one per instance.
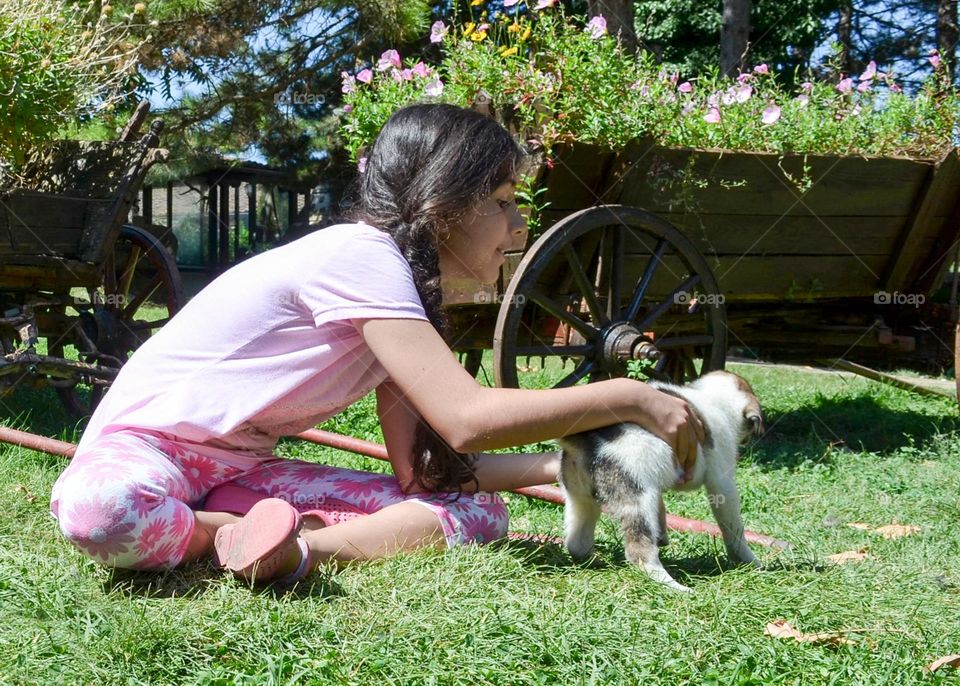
(127, 499)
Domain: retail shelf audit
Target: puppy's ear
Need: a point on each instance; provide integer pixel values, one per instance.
(753, 418)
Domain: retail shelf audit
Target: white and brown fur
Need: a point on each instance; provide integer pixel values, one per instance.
(623, 469)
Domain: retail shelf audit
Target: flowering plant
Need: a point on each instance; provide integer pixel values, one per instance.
(557, 79)
(59, 65)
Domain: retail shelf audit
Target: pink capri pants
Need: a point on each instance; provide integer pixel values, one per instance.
(127, 499)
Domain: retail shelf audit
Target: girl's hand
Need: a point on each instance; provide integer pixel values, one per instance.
(673, 420)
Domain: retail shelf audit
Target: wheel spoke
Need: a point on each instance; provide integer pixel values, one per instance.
(683, 341)
(126, 278)
(557, 311)
(583, 283)
(578, 373)
(142, 296)
(667, 302)
(554, 350)
(616, 272)
(144, 326)
(644, 282)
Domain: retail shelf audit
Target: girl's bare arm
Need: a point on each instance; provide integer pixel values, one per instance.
(495, 472)
(474, 418)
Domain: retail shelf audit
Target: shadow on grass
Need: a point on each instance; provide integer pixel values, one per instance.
(860, 423)
(197, 579)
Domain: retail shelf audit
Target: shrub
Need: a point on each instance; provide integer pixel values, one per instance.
(557, 79)
(58, 66)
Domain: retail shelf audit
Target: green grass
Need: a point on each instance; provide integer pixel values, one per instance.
(838, 450)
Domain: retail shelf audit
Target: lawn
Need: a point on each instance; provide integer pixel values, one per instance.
(839, 450)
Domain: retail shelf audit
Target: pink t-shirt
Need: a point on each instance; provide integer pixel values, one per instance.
(268, 348)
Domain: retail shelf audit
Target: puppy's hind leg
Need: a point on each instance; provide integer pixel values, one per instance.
(580, 518)
(641, 531)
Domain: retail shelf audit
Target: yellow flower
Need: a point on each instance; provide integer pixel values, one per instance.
(478, 36)
(476, 3)
(508, 52)
(468, 29)
(526, 34)
(514, 28)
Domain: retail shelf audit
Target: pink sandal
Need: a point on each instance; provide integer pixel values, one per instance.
(255, 547)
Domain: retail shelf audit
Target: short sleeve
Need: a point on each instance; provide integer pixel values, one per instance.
(362, 276)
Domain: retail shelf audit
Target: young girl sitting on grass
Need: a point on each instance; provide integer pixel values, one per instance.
(177, 461)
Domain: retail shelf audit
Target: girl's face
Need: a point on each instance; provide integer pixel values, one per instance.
(474, 249)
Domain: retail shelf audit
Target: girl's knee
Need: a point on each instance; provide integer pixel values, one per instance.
(482, 517)
(126, 524)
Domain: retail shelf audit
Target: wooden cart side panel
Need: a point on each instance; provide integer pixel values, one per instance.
(39, 224)
(923, 248)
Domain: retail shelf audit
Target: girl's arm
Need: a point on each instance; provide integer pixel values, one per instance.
(495, 472)
(474, 418)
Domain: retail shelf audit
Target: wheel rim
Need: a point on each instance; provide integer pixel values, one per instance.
(140, 291)
(607, 285)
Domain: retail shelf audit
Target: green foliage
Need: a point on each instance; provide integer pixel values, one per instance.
(557, 81)
(685, 33)
(57, 68)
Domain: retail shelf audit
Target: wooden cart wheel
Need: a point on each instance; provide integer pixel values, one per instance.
(606, 285)
(140, 292)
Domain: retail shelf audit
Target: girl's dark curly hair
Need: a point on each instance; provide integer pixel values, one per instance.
(429, 166)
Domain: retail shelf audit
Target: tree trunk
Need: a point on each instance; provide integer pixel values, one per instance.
(947, 33)
(734, 35)
(619, 16)
(844, 33)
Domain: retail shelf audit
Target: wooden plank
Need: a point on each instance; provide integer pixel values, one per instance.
(756, 184)
(755, 278)
(577, 177)
(738, 234)
(913, 252)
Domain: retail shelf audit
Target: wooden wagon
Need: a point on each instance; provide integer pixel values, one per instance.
(73, 275)
(670, 257)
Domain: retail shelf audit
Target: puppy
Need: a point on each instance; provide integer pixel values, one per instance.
(623, 469)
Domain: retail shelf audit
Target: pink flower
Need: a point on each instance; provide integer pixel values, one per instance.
(688, 107)
(510, 3)
(870, 72)
(420, 69)
(150, 536)
(544, 4)
(99, 527)
(863, 86)
(439, 31)
(803, 100)
(845, 86)
(434, 88)
(742, 93)
(389, 58)
(894, 88)
(744, 76)
(761, 69)
(713, 116)
(362, 164)
(201, 472)
(365, 76)
(597, 27)
(357, 487)
(160, 558)
(771, 114)
(855, 112)
(347, 109)
(685, 87)
(806, 86)
(183, 522)
(348, 82)
(934, 58)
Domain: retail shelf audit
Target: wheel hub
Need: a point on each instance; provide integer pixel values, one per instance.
(622, 341)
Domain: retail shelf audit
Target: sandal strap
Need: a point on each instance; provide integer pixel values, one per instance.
(302, 570)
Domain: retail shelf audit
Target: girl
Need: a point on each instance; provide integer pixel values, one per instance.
(181, 445)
